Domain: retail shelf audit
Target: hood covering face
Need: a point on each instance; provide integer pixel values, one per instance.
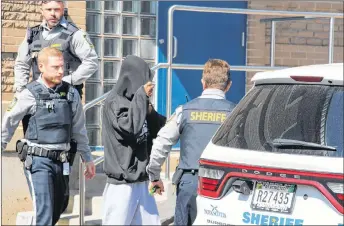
(134, 73)
(128, 127)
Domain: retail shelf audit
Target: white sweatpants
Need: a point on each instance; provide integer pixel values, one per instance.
(129, 204)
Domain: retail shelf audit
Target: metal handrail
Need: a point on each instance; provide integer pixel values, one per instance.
(273, 34)
(100, 99)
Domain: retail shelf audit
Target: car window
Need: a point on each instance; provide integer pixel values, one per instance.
(291, 111)
(334, 123)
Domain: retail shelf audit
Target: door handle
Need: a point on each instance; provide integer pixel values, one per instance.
(243, 39)
(175, 46)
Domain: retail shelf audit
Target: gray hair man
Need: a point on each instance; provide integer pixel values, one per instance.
(81, 60)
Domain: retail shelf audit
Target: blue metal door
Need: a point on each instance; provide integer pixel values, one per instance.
(200, 36)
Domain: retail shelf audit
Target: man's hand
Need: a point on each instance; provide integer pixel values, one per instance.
(159, 184)
(150, 108)
(149, 88)
(90, 170)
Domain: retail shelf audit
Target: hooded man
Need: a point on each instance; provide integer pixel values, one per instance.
(129, 125)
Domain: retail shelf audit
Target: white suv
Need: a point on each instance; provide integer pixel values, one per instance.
(278, 158)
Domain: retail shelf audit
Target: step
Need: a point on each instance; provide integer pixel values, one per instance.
(93, 206)
(94, 201)
(73, 219)
(93, 188)
(165, 208)
(25, 218)
(93, 196)
(93, 211)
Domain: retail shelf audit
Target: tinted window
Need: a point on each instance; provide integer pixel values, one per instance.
(334, 123)
(297, 112)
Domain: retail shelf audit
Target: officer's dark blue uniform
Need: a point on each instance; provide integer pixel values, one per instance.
(194, 124)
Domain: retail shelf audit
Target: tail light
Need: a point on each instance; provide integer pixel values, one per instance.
(209, 181)
(338, 190)
(212, 181)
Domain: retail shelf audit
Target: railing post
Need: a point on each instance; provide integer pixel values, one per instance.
(273, 43)
(81, 193)
(169, 79)
(331, 41)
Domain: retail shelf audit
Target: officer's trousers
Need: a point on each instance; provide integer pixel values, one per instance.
(49, 190)
(186, 210)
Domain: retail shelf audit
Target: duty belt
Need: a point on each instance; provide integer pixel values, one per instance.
(55, 155)
(191, 171)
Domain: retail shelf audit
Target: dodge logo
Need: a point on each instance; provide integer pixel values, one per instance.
(263, 173)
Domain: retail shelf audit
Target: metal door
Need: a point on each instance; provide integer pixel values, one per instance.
(197, 38)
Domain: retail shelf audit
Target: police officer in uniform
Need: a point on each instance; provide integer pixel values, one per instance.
(81, 60)
(194, 124)
(57, 117)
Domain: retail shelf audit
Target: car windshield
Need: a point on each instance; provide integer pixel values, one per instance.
(311, 115)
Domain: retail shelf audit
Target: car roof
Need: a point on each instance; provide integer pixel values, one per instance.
(332, 74)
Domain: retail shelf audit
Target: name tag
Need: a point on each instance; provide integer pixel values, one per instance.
(66, 169)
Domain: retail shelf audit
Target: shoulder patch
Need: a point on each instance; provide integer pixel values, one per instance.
(12, 104)
(88, 40)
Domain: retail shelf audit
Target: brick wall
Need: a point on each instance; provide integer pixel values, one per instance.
(298, 42)
(16, 16)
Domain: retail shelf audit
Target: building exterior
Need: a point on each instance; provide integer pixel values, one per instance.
(120, 28)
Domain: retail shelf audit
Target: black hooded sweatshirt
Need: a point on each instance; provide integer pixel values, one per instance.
(128, 125)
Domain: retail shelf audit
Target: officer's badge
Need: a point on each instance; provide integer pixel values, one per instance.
(12, 104)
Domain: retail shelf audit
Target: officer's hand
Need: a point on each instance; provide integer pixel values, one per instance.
(149, 88)
(90, 170)
(160, 185)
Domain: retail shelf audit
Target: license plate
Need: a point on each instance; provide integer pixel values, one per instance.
(274, 197)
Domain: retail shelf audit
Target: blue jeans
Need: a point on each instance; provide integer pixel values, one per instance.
(186, 210)
(49, 189)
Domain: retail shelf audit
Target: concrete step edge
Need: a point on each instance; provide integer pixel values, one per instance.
(74, 220)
